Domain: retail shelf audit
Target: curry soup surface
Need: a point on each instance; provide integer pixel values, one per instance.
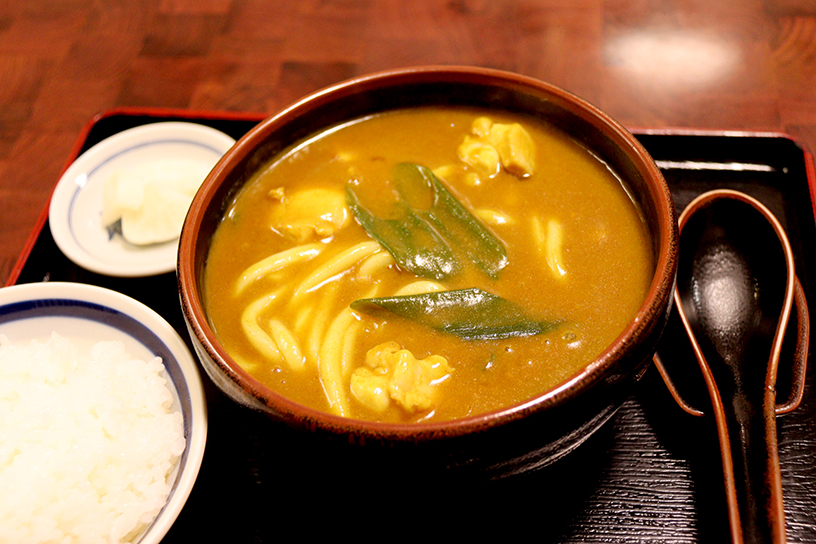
(577, 255)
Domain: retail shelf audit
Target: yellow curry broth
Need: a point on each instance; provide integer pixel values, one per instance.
(605, 254)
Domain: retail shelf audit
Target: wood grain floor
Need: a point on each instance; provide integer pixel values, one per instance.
(729, 64)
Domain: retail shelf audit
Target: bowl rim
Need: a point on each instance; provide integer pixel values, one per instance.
(103, 300)
(658, 295)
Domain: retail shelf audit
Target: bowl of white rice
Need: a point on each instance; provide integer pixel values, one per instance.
(103, 417)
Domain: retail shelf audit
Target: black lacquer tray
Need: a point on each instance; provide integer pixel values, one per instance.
(650, 475)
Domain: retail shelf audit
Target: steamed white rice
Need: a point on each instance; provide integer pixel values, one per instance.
(88, 438)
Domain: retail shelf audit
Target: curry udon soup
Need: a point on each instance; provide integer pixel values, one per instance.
(426, 264)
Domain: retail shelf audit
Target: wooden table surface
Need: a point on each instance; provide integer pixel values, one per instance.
(733, 65)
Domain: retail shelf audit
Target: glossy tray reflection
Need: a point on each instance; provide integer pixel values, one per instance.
(652, 474)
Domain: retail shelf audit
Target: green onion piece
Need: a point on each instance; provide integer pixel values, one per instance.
(463, 232)
(471, 314)
(431, 233)
(414, 244)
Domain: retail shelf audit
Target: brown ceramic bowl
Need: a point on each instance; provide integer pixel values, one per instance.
(511, 440)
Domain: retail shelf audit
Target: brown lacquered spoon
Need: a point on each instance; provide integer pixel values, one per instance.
(736, 290)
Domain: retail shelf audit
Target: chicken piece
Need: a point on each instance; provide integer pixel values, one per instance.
(498, 145)
(515, 147)
(371, 389)
(481, 126)
(309, 213)
(480, 155)
(393, 374)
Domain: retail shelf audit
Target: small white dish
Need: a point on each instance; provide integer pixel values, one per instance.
(75, 212)
(87, 314)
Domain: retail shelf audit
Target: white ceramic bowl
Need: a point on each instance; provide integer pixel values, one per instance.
(89, 313)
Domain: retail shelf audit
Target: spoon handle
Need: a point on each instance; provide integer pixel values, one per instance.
(751, 469)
